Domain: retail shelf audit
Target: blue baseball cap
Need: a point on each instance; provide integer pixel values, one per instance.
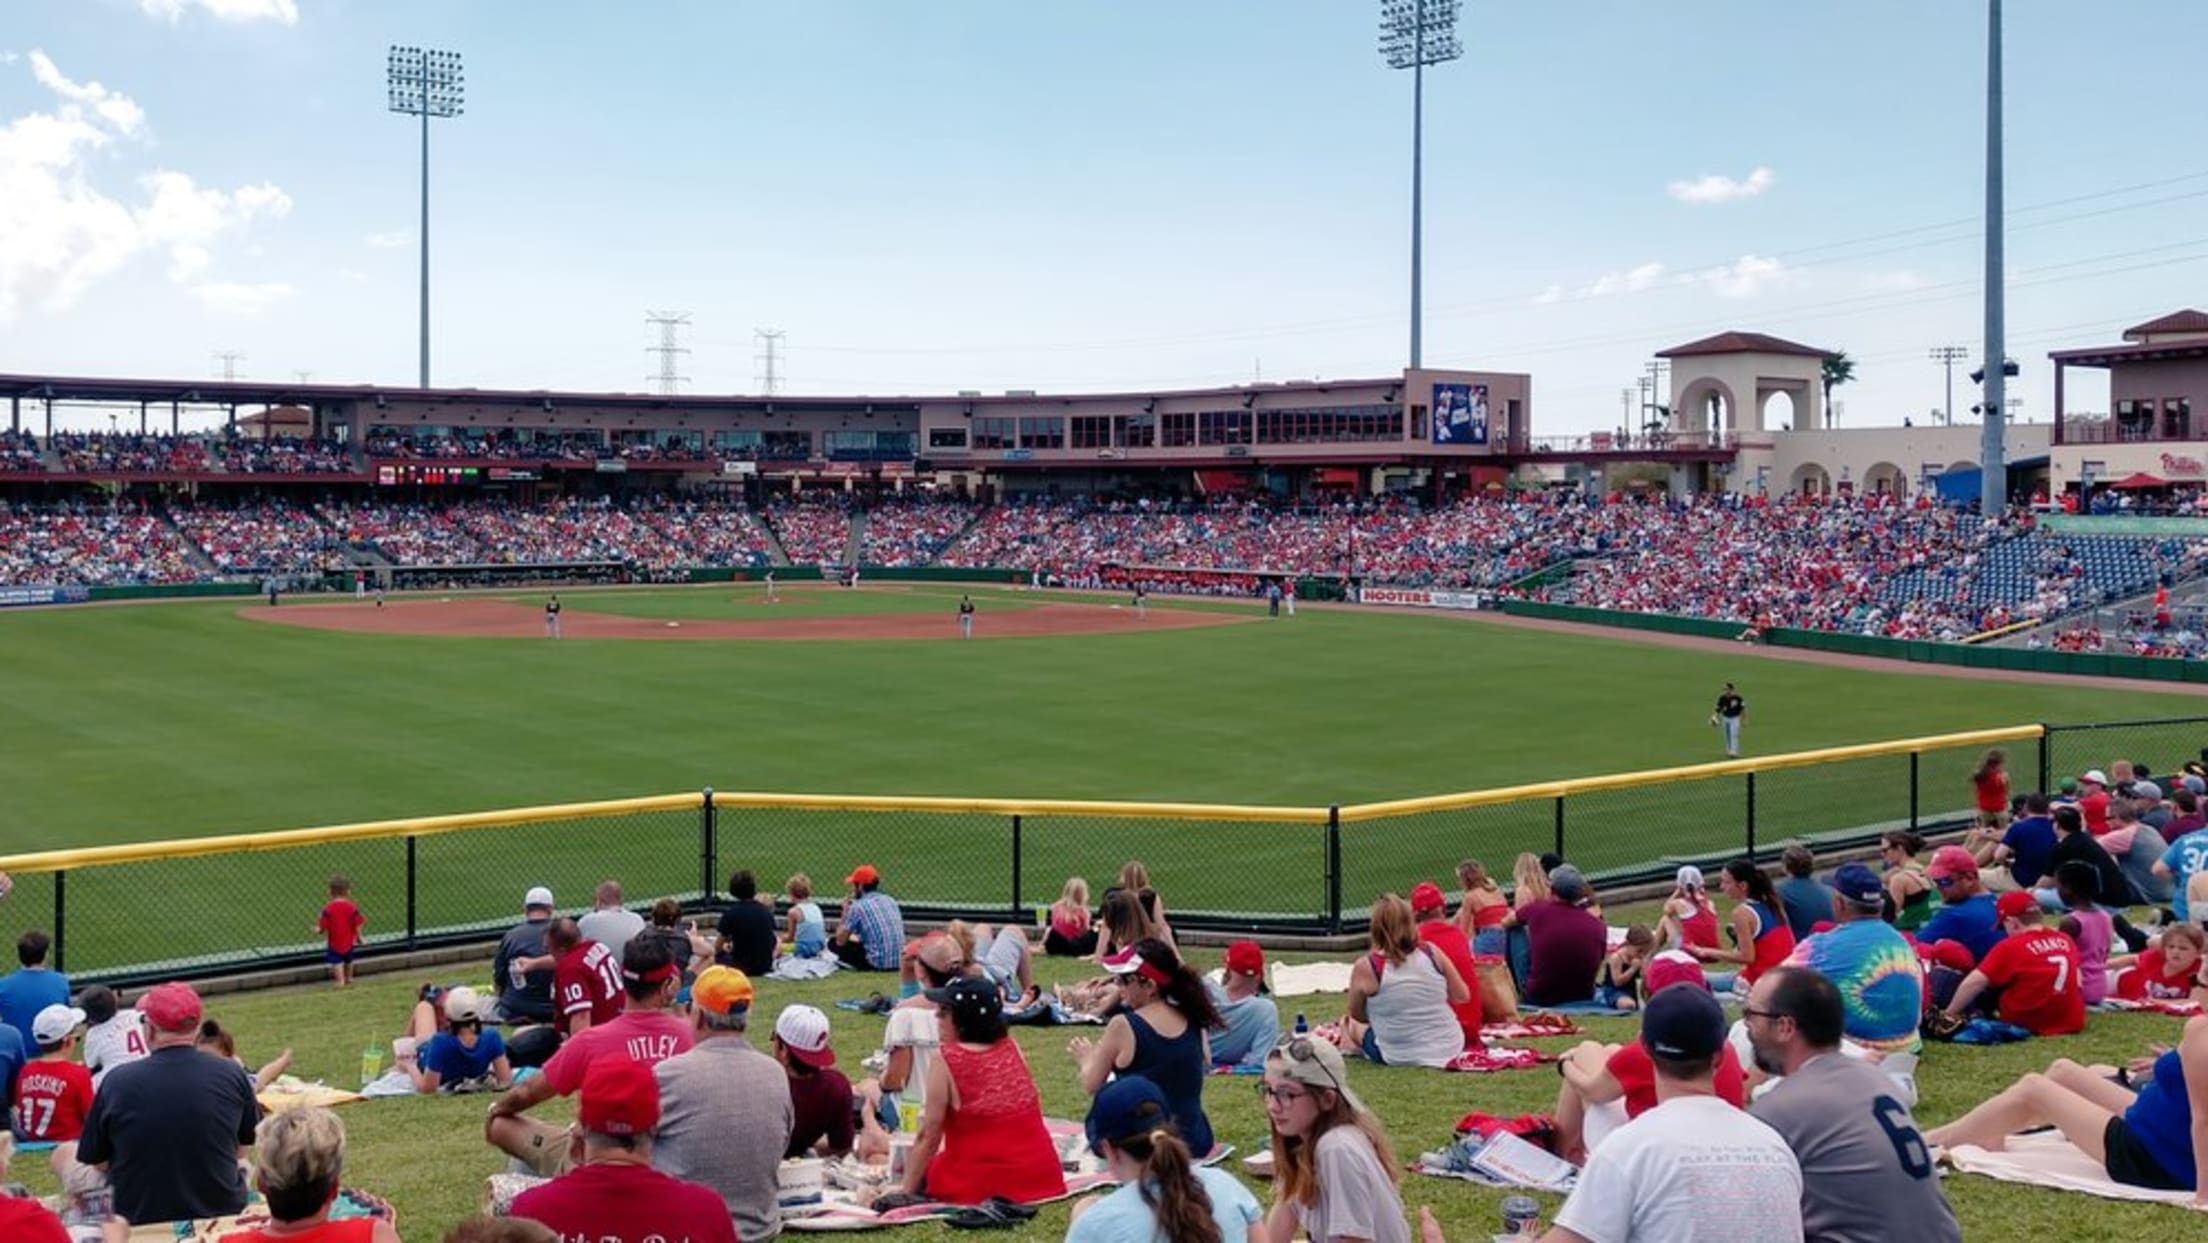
(1129, 1105)
(1859, 885)
(1683, 1022)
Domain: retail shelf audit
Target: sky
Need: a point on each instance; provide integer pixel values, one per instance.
(1086, 195)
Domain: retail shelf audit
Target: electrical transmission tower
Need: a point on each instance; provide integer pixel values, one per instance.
(770, 342)
(1947, 356)
(229, 360)
(668, 324)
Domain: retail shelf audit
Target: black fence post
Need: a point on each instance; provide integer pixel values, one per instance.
(61, 920)
(1913, 758)
(709, 828)
(1334, 869)
(1015, 908)
(2046, 755)
(1560, 828)
(1751, 815)
(412, 871)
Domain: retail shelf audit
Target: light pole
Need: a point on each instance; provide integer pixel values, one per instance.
(1413, 35)
(1947, 356)
(1993, 483)
(425, 83)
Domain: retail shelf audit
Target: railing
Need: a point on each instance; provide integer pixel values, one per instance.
(1631, 442)
(222, 904)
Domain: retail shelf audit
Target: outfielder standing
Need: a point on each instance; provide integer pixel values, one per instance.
(1730, 709)
(1142, 603)
(965, 617)
(771, 597)
(552, 617)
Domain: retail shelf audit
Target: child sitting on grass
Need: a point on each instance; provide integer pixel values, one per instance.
(808, 927)
(1618, 984)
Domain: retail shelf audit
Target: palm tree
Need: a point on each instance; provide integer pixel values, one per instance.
(1838, 370)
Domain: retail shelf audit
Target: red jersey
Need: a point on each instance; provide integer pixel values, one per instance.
(341, 923)
(2037, 973)
(1448, 941)
(28, 1221)
(647, 1036)
(2151, 979)
(51, 1101)
(1636, 1073)
(587, 979)
(1993, 791)
(627, 1204)
(2093, 809)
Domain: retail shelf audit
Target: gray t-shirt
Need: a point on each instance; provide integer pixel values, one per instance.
(1866, 1175)
(724, 1121)
(1357, 1199)
(612, 929)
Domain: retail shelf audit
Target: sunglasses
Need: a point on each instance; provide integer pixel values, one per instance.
(1945, 882)
(1301, 1049)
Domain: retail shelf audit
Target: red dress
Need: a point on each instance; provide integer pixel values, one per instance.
(994, 1140)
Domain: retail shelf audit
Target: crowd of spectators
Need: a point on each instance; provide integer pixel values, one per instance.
(280, 456)
(912, 532)
(19, 453)
(93, 547)
(655, 537)
(123, 452)
(814, 529)
(261, 537)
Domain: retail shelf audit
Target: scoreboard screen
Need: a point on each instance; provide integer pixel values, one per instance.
(406, 473)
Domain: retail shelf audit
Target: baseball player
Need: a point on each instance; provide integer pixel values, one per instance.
(965, 617)
(1730, 709)
(552, 617)
(771, 597)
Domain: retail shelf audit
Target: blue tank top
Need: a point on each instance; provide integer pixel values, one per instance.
(2162, 1120)
(1176, 1065)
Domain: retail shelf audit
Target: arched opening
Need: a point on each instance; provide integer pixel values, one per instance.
(1810, 479)
(1885, 479)
(1778, 412)
(1705, 408)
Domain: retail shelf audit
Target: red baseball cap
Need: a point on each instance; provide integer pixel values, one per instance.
(1426, 896)
(1952, 861)
(620, 1097)
(1674, 967)
(1951, 954)
(864, 874)
(2017, 903)
(171, 1007)
(1246, 958)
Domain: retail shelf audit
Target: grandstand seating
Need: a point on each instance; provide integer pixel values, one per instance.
(93, 548)
(902, 533)
(261, 538)
(813, 532)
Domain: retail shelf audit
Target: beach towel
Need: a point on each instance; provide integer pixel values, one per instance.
(2050, 1161)
(1475, 1061)
(1532, 1027)
(2182, 1009)
(292, 1092)
(791, 967)
(350, 1203)
(1302, 979)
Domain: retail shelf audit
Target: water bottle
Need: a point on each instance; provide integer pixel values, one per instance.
(371, 1064)
(1302, 1028)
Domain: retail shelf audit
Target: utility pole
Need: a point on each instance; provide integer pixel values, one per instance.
(1947, 356)
(229, 360)
(1992, 467)
(305, 377)
(669, 324)
(770, 340)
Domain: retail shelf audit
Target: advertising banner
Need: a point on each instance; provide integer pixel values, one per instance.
(1460, 414)
(19, 597)
(1420, 597)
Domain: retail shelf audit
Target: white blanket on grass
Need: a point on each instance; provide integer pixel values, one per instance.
(2048, 1160)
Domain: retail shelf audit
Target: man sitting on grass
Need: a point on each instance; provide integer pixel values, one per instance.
(613, 1195)
(2030, 978)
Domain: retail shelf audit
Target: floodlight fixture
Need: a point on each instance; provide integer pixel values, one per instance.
(1413, 35)
(425, 83)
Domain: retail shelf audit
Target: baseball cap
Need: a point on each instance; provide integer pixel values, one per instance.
(1426, 896)
(171, 1007)
(1315, 1063)
(1948, 953)
(1859, 885)
(1683, 1023)
(463, 1005)
(1674, 967)
(1127, 1106)
(1952, 861)
(620, 1097)
(2068, 785)
(721, 990)
(864, 874)
(1689, 877)
(537, 896)
(2094, 775)
(54, 1023)
(1246, 958)
(968, 995)
(2194, 782)
(803, 1030)
(2016, 903)
(2145, 789)
(1129, 962)
(1569, 884)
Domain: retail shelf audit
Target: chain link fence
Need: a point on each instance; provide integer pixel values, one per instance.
(2164, 746)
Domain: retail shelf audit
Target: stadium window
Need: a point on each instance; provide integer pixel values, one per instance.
(1048, 433)
(1178, 431)
(946, 438)
(995, 433)
(1418, 422)
(2177, 418)
(1137, 431)
(2134, 419)
(1092, 431)
(736, 440)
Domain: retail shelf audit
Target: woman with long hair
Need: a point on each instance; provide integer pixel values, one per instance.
(981, 1132)
(1334, 1174)
(1484, 910)
(1124, 922)
(1400, 995)
(1529, 881)
(1757, 929)
(1906, 884)
(1134, 878)
(1072, 927)
(1158, 1034)
(1163, 1194)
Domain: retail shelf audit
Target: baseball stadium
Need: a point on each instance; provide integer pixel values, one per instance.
(1057, 811)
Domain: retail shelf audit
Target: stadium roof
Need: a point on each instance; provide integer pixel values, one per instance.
(2179, 321)
(1743, 343)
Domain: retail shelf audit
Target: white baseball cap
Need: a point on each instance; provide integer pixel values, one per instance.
(1689, 877)
(54, 1023)
(539, 896)
(463, 1005)
(803, 1030)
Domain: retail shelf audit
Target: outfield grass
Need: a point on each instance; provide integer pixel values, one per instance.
(427, 1155)
(748, 602)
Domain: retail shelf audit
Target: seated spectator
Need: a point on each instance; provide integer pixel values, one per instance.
(1249, 1021)
(1123, 924)
(2029, 977)
(167, 1128)
(2025, 851)
(612, 1191)
(1402, 995)
(820, 1097)
(981, 1131)
(725, 1108)
(871, 934)
(23, 1219)
(2088, 925)
(1618, 984)
(645, 1032)
(521, 969)
(586, 979)
(2075, 844)
(298, 1162)
(1435, 930)
(1608, 1085)
(113, 1036)
(1335, 1175)
(2136, 848)
(2187, 817)
(1805, 900)
(1484, 910)
(32, 987)
(1134, 878)
(610, 923)
(1002, 954)
(1866, 1173)
(912, 1038)
(216, 1039)
(1162, 1193)
(1158, 1034)
(1966, 915)
(1757, 929)
(2150, 1137)
(52, 1093)
(808, 928)
(1689, 918)
(14, 1052)
(464, 1057)
(686, 947)
(1565, 942)
(1907, 885)
(1072, 930)
(748, 935)
(1661, 1174)
(1877, 973)
(2093, 800)
(2170, 970)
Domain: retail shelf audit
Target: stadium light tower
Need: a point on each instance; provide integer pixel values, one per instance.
(1413, 35)
(425, 83)
(1993, 474)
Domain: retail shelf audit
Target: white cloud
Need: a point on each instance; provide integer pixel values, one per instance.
(1550, 296)
(60, 233)
(1718, 188)
(1632, 280)
(1745, 277)
(390, 241)
(232, 298)
(284, 11)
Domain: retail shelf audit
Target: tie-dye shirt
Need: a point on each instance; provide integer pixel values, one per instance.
(1880, 981)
